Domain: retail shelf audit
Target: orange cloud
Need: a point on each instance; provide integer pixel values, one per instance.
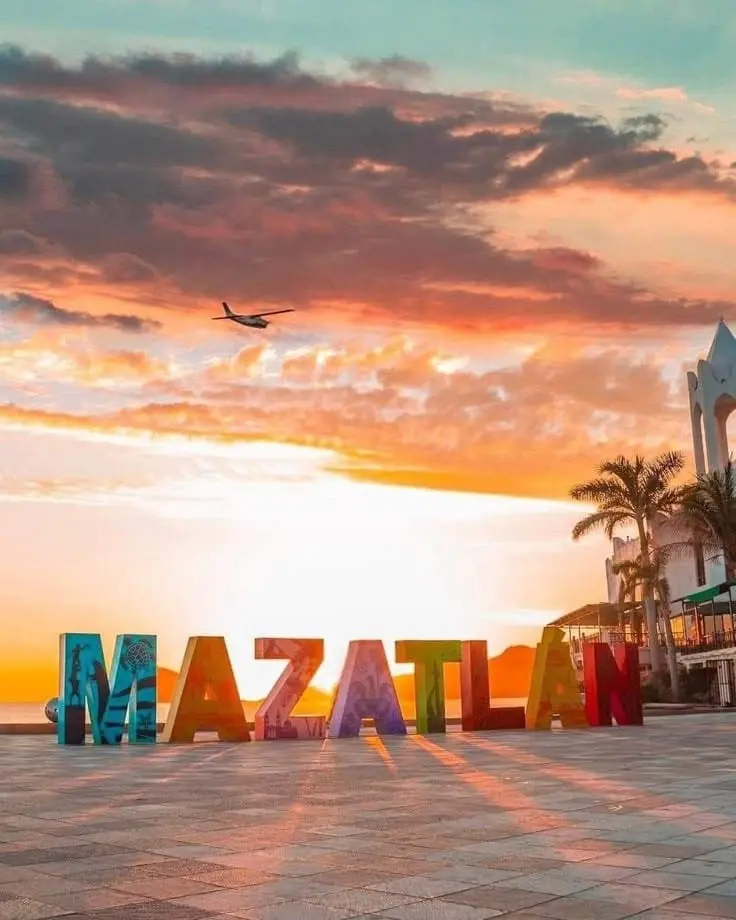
(412, 414)
(664, 93)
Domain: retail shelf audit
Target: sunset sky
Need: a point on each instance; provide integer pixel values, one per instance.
(507, 229)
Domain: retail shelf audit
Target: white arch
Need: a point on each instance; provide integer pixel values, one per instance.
(712, 392)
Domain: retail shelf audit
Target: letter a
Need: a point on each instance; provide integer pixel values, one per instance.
(612, 684)
(429, 657)
(206, 696)
(554, 685)
(366, 691)
(475, 693)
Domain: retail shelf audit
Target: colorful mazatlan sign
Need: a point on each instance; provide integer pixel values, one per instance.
(206, 697)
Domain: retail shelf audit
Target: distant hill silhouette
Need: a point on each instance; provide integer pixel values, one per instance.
(509, 674)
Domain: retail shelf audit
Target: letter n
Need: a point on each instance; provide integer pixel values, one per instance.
(554, 685)
(475, 693)
(366, 691)
(84, 684)
(206, 697)
(612, 684)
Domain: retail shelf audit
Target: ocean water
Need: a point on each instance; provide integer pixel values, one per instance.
(32, 713)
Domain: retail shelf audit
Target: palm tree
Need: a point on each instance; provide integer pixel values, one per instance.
(708, 509)
(652, 572)
(629, 492)
(628, 583)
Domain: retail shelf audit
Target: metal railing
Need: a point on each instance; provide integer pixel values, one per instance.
(708, 643)
(685, 645)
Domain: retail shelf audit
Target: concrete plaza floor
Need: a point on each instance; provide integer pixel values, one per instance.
(600, 824)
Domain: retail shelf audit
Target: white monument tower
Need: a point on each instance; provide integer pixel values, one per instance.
(712, 392)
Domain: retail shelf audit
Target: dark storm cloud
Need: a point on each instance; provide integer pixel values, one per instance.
(100, 76)
(369, 133)
(124, 268)
(99, 137)
(21, 243)
(459, 141)
(15, 179)
(270, 196)
(25, 306)
(396, 70)
(561, 149)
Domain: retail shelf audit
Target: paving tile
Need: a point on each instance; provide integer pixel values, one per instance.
(438, 910)
(706, 904)
(147, 910)
(600, 825)
(422, 886)
(299, 910)
(577, 909)
(727, 888)
(361, 900)
(40, 885)
(162, 888)
(549, 883)
(472, 875)
(354, 878)
(715, 870)
(92, 899)
(638, 896)
(665, 914)
(27, 909)
(232, 878)
(502, 899)
(674, 879)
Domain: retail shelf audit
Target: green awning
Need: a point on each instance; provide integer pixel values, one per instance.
(706, 594)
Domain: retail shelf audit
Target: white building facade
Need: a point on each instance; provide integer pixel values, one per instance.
(712, 393)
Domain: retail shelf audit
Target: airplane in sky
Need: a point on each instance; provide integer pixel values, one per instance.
(254, 320)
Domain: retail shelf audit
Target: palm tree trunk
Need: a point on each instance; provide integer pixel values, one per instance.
(671, 654)
(650, 607)
(655, 650)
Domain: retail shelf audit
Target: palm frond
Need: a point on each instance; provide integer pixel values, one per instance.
(600, 520)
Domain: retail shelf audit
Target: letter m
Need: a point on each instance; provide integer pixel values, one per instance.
(84, 685)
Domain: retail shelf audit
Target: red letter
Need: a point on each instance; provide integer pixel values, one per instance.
(612, 684)
(475, 693)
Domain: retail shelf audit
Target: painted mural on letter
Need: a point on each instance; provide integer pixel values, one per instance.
(274, 719)
(84, 684)
(366, 691)
(429, 657)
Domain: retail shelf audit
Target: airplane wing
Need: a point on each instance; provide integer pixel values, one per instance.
(274, 312)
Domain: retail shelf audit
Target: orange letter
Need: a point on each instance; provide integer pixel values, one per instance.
(554, 685)
(206, 696)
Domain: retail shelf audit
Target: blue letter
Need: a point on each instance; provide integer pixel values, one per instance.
(83, 680)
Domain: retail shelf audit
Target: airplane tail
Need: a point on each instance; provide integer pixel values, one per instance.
(228, 311)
